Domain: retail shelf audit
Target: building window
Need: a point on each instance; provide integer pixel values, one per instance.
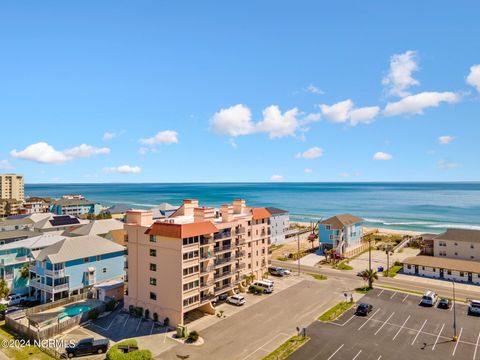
(104, 270)
(472, 257)
(190, 285)
(328, 227)
(153, 296)
(153, 281)
(191, 300)
(449, 272)
(190, 255)
(423, 267)
(461, 273)
(190, 270)
(456, 244)
(191, 240)
(249, 266)
(153, 238)
(85, 260)
(153, 252)
(471, 246)
(409, 266)
(98, 257)
(456, 253)
(153, 267)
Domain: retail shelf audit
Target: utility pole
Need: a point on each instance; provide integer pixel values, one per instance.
(298, 252)
(455, 338)
(369, 253)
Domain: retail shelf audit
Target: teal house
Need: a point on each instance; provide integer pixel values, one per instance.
(342, 233)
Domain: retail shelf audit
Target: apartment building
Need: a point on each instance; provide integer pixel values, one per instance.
(9, 207)
(183, 262)
(343, 233)
(458, 244)
(279, 225)
(75, 207)
(12, 187)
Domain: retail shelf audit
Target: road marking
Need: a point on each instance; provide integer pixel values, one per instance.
(380, 328)
(391, 297)
(398, 332)
(379, 357)
(476, 346)
(370, 318)
(438, 336)
(451, 308)
(261, 347)
(357, 355)
(405, 298)
(381, 292)
(419, 331)
(331, 356)
(151, 330)
(345, 323)
(458, 340)
(125, 323)
(138, 324)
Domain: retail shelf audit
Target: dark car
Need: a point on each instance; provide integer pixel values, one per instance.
(363, 309)
(360, 273)
(444, 304)
(9, 310)
(87, 346)
(277, 271)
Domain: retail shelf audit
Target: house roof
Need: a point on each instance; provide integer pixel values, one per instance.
(460, 235)
(4, 235)
(260, 213)
(276, 211)
(341, 220)
(15, 222)
(71, 248)
(181, 231)
(444, 263)
(117, 209)
(33, 242)
(98, 227)
(69, 202)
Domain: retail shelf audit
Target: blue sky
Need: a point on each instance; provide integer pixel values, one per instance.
(185, 91)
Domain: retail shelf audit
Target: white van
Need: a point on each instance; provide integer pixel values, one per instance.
(474, 307)
(13, 299)
(267, 286)
(429, 298)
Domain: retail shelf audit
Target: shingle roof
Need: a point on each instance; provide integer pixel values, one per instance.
(14, 222)
(260, 213)
(77, 248)
(98, 227)
(460, 235)
(68, 202)
(444, 263)
(181, 231)
(276, 211)
(33, 242)
(118, 209)
(18, 233)
(341, 220)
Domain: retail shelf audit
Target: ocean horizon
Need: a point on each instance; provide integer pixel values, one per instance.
(414, 206)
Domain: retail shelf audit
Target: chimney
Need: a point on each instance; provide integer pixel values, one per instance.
(203, 214)
(139, 217)
(238, 206)
(188, 206)
(227, 212)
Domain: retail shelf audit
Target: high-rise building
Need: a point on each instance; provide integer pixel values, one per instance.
(183, 262)
(12, 187)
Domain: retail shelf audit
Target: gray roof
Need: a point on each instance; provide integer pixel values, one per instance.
(33, 242)
(15, 222)
(77, 248)
(460, 235)
(68, 202)
(276, 211)
(117, 209)
(98, 227)
(342, 220)
(5, 235)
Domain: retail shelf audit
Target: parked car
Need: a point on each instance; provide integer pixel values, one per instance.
(9, 310)
(363, 309)
(87, 346)
(286, 271)
(276, 271)
(429, 298)
(13, 299)
(444, 304)
(474, 307)
(266, 286)
(238, 300)
(360, 273)
(29, 303)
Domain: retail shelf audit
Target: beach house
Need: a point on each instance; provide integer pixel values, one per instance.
(342, 233)
(75, 207)
(182, 263)
(279, 224)
(74, 265)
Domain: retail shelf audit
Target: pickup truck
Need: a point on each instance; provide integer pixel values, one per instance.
(87, 346)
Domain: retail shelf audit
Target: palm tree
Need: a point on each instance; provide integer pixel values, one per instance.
(249, 279)
(24, 271)
(370, 275)
(4, 290)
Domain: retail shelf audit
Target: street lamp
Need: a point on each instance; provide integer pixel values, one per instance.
(455, 338)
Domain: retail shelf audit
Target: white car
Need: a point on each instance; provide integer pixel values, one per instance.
(474, 307)
(286, 271)
(238, 300)
(429, 298)
(13, 299)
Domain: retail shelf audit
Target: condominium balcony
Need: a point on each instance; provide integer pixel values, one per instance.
(206, 240)
(240, 242)
(223, 287)
(226, 260)
(240, 254)
(206, 269)
(207, 298)
(224, 274)
(207, 284)
(206, 256)
(48, 288)
(219, 249)
(222, 235)
(240, 267)
(55, 273)
(239, 230)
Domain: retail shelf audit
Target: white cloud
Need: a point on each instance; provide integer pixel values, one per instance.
(380, 155)
(143, 150)
(123, 169)
(166, 137)
(109, 136)
(234, 121)
(344, 111)
(445, 139)
(276, 124)
(276, 178)
(232, 143)
(399, 77)
(40, 152)
(347, 174)
(474, 77)
(415, 104)
(311, 153)
(307, 171)
(446, 165)
(5, 164)
(85, 150)
(314, 90)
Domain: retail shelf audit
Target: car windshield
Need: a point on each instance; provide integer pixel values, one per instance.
(426, 297)
(362, 306)
(475, 305)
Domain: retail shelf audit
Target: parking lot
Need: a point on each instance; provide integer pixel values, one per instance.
(397, 328)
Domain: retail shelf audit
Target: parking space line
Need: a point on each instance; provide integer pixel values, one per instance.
(138, 324)
(151, 329)
(331, 356)
(345, 323)
(438, 336)
(357, 355)
(419, 331)
(125, 323)
(391, 297)
(401, 327)
(458, 340)
(370, 318)
(381, 292)
(386, 321)
(476, 346)
(405, 298)
(379, 357)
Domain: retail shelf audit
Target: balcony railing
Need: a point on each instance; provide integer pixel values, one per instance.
(224, 274)
(240, 267)
(49, 288)
(222, 248)
(240, 254)
(207, 298)
(206, 241)
(240, 242)
(239, 230)
(206, 256)
(222, 235)
(207, 284)
(224, 260)
(206, 269)
(55, 273)
(223, 287)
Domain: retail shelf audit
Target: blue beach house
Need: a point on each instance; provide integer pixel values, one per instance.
(343, 233)
(74, 266)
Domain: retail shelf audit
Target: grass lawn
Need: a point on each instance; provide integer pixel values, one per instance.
(336, 311)
(287, 348)
(343, 266)
(318, 276)
(23, 353)
(362, 290)
(392, 272)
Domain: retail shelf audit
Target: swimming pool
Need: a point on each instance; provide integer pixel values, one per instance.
(74, 310)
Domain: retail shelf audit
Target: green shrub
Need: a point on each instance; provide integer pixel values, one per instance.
(115, 354)
(139, 311)
(109, 306)
(155, 317)
(131, 310)
(147, 314)
(193, 336)
(166, 322)
(255, 290)
(93, 314)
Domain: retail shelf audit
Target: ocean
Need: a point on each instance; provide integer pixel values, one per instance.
(426, 207)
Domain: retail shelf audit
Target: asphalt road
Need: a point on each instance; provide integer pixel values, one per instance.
(443, 288)
(398, 328)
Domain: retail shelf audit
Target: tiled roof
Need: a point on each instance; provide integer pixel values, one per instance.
(260, 213)
(444, 263)
(341, 220)
(181, 231)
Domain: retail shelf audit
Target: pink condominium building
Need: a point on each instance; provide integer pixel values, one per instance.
(183, 262)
